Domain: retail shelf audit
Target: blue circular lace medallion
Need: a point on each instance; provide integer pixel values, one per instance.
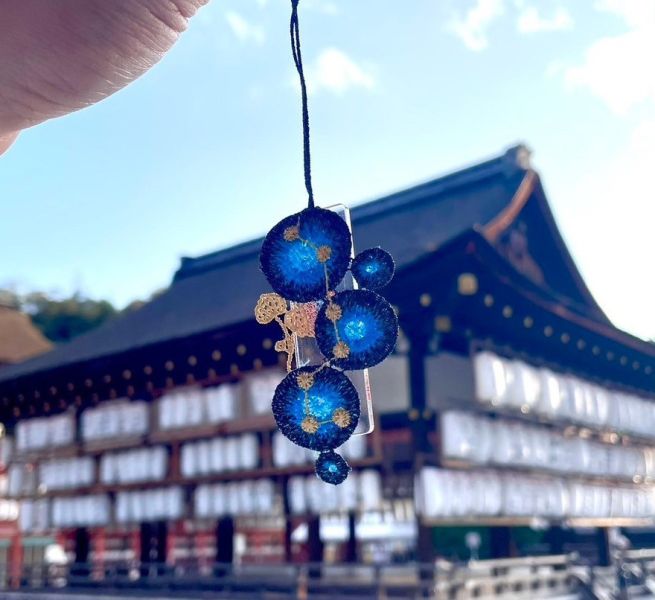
(357, 329)
(316, 409)
(304, 252)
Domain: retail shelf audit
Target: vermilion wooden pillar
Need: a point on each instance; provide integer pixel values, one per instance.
(16, 560)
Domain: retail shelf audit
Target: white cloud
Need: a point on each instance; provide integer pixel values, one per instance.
(243, 30)
(611, 205)
(618, 69)
(334, 71)
(472, 28)
(324, 6)
(530, 20)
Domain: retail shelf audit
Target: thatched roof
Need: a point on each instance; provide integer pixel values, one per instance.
(19, 339)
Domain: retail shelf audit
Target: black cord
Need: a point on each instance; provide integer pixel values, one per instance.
(294, 29)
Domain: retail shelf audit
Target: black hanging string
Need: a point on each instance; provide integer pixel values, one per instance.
(297, 59)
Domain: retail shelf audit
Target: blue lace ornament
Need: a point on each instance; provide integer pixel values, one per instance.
(305, 252)
(332, 468)
(356, 329)
(316, 409)
(373, 268)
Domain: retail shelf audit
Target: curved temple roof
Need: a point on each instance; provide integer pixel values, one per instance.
(218, 290)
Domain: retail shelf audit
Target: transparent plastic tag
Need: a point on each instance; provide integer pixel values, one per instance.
(307, 352)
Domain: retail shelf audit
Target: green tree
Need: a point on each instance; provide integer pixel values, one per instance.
(60, 320)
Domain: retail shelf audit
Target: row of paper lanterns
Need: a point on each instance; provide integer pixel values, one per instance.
(362, 490)
(287, 454)
(75, 511)
(247, 498)
(131, 466)
(194, 406)
(450, 494)
(190, 406)
(117, 419)
(198, 459)
(45, 432)
(66, 473)
(219, 455)
(481, 440)
(517, 385)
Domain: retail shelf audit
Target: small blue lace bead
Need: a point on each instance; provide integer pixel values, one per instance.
(331, 468)
(373, 268)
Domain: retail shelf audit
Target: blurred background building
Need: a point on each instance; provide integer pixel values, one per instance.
(513, 417)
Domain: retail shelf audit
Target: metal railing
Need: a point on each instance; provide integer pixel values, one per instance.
(533, 577)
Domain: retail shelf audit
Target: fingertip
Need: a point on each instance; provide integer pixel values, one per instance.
(6, 140)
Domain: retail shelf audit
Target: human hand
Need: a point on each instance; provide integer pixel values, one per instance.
(58, 56)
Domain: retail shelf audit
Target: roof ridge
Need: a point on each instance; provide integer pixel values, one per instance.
(515, 158)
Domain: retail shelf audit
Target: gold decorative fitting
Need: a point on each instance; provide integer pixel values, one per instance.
(443, 324)
(323, 253)
(467, 284)
(291, 234)
(257, 364)
(341, 418)
(192, 360)
(488, 300)
(623, 360)
(595, 350)
(241, 349)
(341, 350)
(528, 322)
(234, 369)
(169, 365)
(581, 344)
(216, 354)
(305, 380)
(269, 306)
(147, 370)
(548, 331)
(127, 374)
(425, 300)
(508, 311)
(310, 424)
(333, 312)
(301, 319)
(566, 338)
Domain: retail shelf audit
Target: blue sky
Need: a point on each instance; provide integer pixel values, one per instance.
(205, 150)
